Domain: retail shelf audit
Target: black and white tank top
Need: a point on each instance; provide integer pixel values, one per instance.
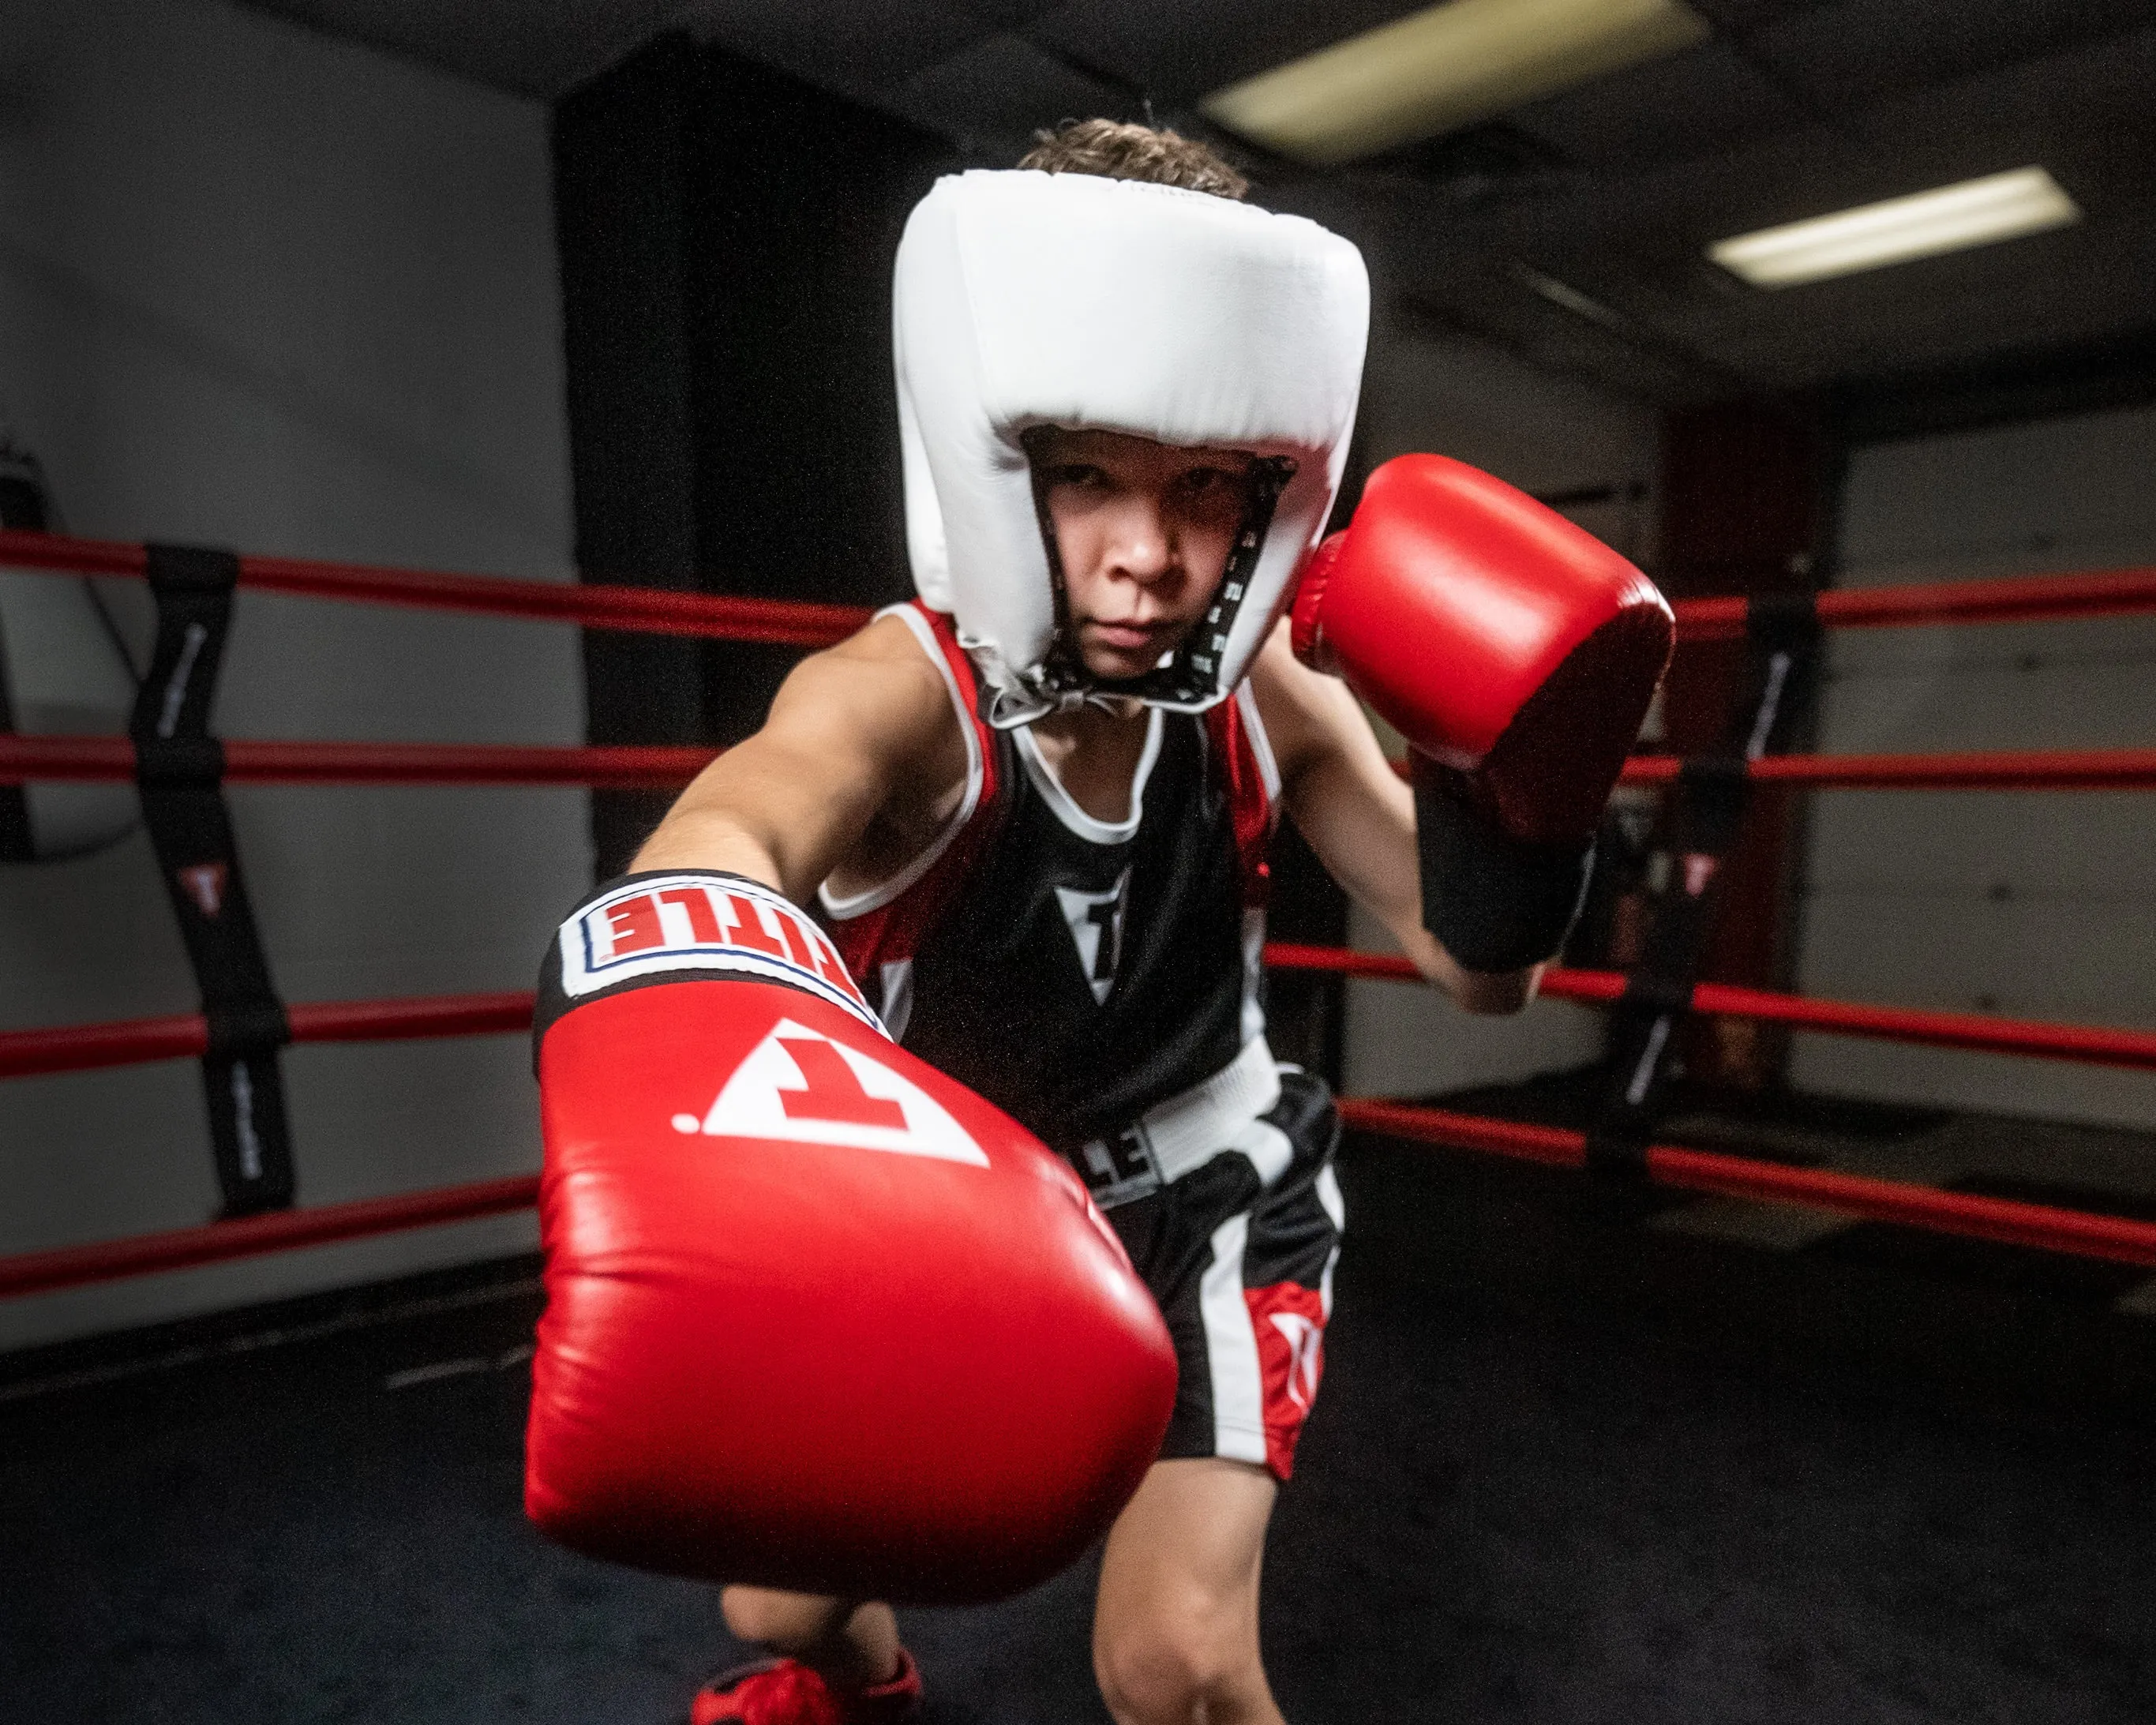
(1077, 972)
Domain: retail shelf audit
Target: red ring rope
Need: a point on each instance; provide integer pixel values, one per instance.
(75, 1048)
(2115, 1238)
(275, 1231)
(127, 1042)
(2027, 598)
(661, 611)
(52, 1050)
(1980, 770)
(613, 767)
(596, 605)
(2101, 1046)
(617, 766)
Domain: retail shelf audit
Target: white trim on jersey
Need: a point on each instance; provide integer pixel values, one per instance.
(1065, 806)
(860, 904)
(897, 979)
(1231, 1349)
(1261, 745)
(1254, 972)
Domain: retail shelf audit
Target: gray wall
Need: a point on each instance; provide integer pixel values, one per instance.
(2035, 904)
(1547, 435)
(263, 290)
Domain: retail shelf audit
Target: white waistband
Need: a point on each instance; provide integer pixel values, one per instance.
(1188, 1130)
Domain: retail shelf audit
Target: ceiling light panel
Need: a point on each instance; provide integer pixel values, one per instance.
(1924, 225)
(1438, 69)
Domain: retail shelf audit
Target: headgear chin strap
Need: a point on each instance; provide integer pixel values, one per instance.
(1026, 299)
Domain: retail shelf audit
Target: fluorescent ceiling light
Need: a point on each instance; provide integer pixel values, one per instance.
(1950, 218)
(1441, 69)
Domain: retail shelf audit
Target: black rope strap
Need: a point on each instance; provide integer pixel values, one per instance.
(17, 839)
(179, 769)
(1706, 817)
(22, 506)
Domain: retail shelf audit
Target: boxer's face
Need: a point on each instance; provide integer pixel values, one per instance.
(1144, 529)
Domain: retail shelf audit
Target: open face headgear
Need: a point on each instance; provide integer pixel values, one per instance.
(1024, 300)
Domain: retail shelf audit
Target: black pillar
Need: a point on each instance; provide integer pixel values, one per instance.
(727, 235)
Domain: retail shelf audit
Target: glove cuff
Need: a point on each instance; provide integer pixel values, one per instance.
(687, 925)
(1494, 903)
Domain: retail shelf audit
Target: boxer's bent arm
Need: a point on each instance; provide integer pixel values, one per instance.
(851, 728)
(1358, 815)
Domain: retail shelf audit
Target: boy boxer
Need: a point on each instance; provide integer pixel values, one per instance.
(1031, 809)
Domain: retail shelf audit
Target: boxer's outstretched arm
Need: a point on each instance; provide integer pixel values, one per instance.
(854, 730)
(1358, 815)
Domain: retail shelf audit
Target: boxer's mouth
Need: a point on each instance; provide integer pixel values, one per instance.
(1131, 637)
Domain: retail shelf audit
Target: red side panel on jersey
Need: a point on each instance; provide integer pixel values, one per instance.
(1244, 774)
(893, 932)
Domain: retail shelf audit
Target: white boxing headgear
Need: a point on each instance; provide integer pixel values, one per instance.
(1026, 298)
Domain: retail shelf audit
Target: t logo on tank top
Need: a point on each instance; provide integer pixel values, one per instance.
(1096, 925)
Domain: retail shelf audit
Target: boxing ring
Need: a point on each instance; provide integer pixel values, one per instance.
(82, 1047)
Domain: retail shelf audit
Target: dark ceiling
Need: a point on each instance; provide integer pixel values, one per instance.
(1571, 230)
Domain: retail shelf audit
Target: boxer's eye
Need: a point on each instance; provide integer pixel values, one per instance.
(1206, 482)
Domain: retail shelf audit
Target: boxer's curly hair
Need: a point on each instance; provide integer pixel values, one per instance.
(1122, 150)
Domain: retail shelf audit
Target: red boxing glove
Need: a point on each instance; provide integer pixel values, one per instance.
(817, 1317)
(1516, 654)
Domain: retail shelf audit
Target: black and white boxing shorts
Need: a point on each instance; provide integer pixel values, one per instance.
(1233, 1221)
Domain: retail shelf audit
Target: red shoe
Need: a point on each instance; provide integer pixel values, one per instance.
(784, 1692)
